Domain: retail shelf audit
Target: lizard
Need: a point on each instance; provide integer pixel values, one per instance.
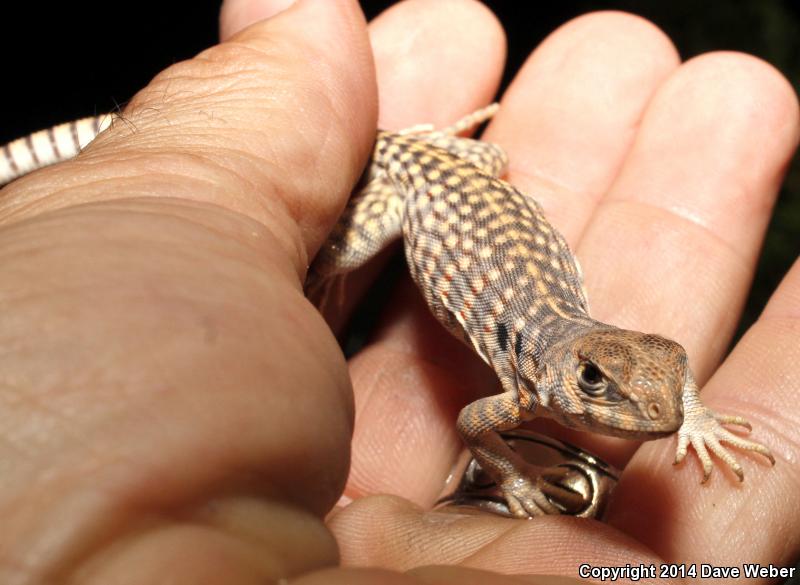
(50, 146)
(497, 275)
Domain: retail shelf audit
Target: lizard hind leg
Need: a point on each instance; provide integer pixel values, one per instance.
(371, 220)
(465, 123)
(488, 157)
(471, 120)
(373, 217)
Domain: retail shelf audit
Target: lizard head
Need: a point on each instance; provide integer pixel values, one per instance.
(618, 382)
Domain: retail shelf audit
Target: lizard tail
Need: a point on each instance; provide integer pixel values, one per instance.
(46, 147)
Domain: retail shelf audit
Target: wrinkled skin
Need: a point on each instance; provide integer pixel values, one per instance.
(173, 408)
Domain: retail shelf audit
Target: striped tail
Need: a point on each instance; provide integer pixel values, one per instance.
(50, 146)
(63, 142)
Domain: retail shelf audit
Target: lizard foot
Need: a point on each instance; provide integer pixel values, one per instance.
(703, 428)
(525, 499)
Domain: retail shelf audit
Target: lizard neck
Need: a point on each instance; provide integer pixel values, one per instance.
(549, 337)
(544, 352)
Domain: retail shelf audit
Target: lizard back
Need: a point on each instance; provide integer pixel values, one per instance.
(485, 258)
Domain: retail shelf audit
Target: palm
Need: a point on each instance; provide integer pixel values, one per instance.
(661, 177)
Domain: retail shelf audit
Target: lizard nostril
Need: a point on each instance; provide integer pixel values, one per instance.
(653, 411)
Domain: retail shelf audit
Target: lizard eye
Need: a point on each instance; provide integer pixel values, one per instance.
(591, 380)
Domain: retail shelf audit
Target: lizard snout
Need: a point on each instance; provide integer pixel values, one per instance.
(662, 415)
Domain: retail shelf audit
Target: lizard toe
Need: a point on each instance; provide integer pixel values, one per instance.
(727, 419)
(705, 432)
(526, 500)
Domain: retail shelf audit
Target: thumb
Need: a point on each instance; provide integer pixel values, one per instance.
(275, 123)
(174, 407)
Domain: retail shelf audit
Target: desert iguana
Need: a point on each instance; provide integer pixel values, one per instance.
(497, 275)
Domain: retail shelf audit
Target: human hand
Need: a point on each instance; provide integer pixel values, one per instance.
(662, 177)
(172, 404)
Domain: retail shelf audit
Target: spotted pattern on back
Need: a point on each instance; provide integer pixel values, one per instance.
(498, 275)
(483, 254)
(372, 218)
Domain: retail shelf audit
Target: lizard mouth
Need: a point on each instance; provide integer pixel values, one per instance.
(640, 431)
(644, 434)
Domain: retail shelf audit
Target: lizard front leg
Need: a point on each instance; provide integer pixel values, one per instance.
(478, 424)
(703, 428)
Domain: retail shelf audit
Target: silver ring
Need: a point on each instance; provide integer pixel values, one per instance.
(581, 483)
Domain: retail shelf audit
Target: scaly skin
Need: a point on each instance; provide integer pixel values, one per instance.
(498, 276)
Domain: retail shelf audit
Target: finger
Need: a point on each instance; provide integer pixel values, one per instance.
(571, 114)
(444, 575)
(455, 82)
(358, 576)
(457, 56)
(568, 122)
(166, 389)
(673, 246)
(392, 533)
(757, 381)
(430, 575)
(236, 16)
(227, 122)
(422, 80)
(415, 348)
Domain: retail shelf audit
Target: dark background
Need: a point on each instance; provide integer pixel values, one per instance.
(69, 60)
